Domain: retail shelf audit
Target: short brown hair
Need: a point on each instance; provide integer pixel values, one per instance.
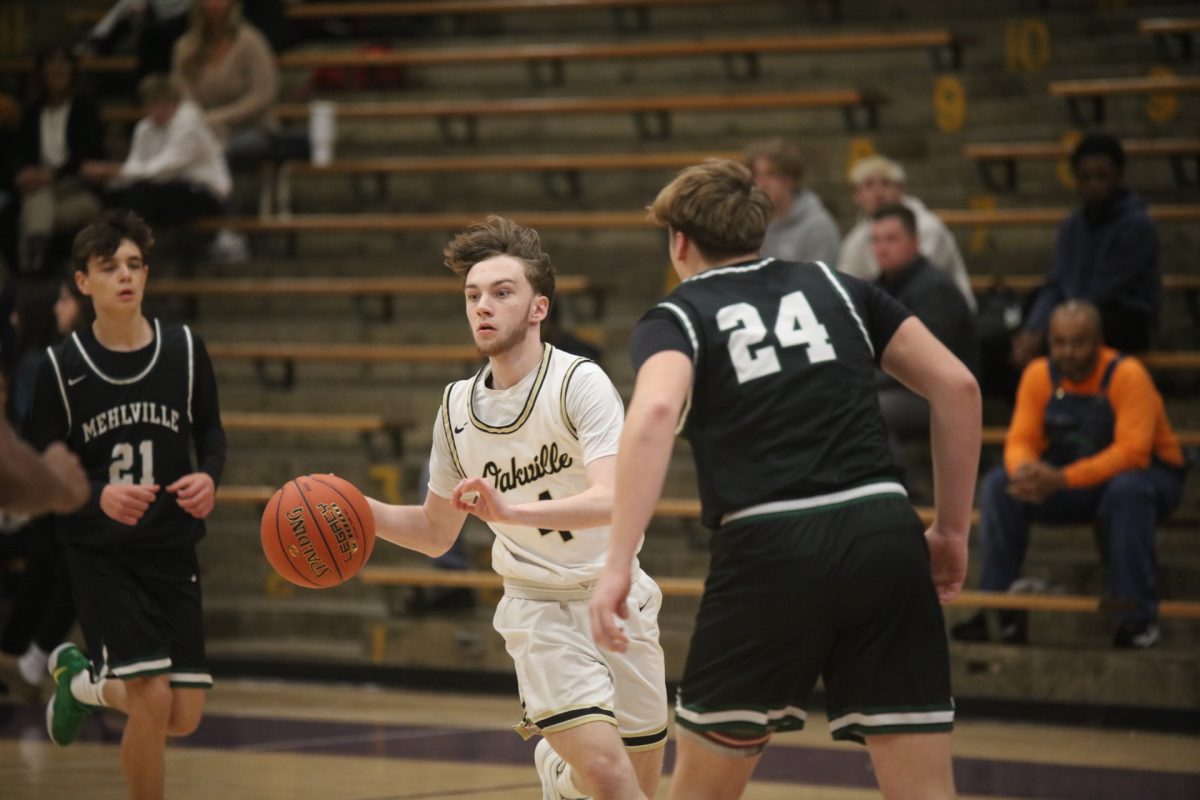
(104, 237)
(783, 156)
(498, 236)
(903, 213)
(717, 206)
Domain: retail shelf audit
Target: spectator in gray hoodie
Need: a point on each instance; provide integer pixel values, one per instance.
(802, 229)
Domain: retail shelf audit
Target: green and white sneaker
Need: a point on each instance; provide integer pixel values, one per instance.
(65, 714)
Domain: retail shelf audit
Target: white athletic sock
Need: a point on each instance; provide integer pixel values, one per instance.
(87, 691)
(566, 787)
(32, 665)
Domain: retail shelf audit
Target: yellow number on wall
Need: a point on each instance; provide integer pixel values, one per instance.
(1026, 45)
(949, 104)
(1161, 107)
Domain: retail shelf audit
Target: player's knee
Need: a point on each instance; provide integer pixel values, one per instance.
(184, 722)
(150, 698)
(608, 773)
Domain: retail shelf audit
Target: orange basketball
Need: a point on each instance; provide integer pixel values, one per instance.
(318, 531)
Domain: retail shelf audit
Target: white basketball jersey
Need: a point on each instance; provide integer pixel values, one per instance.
(533, 441)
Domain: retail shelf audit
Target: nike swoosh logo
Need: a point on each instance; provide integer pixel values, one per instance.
(73, 381)
(642, 607)
(58, 671)
(460, 428)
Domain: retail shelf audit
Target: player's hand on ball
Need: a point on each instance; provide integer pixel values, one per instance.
(607, 608)
(127, 502)
(195, 493)
(488, 504)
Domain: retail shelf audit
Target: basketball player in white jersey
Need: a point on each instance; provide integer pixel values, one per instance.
(529, 446)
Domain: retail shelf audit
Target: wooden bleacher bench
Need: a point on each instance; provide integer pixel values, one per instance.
(1095, 92)
(1010, 217)
(287, 354)
(361, 288)
(995, 436)
(1006, 155)
(553, 55)
(561, 171)
(608, 220)
(399, 285)
(694, 587)
(1174, 38)
(380, 9)
(458, 118)
(424, 223)
(1172, 281)
(369, 427)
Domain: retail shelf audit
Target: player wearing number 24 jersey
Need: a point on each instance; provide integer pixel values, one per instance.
(820, 568)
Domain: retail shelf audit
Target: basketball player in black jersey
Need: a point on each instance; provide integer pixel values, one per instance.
(819, 566)
(132, 397)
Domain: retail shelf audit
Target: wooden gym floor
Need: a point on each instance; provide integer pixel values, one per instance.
(280, 741)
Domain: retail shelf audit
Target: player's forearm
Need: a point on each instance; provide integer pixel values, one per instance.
(642, 463)
(591, 508)
(411, 528)
(955, 420)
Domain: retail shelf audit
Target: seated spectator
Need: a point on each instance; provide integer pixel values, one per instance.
(929, 293)
(879, 182)
(159, 23)
(1089, 441)
(175, 171)
(801, 229)
(227, 67)
(1106, 253)
(59, 130)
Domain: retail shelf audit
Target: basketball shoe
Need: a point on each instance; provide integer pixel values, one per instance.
(549, 766)
(64, 714)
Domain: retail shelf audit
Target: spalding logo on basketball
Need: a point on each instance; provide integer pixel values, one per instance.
(318, 531)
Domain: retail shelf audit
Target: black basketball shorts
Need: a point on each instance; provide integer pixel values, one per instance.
(141, 613)
(841, 594)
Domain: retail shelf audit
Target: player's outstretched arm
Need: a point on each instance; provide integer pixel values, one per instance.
(430, 528)
(590, 508)
(918, 360)
(659, 395)
(36, 484)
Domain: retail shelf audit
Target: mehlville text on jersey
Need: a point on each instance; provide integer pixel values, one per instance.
(131, 414)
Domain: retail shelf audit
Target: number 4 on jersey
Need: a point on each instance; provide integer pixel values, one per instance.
(566, 535)
(795, 324)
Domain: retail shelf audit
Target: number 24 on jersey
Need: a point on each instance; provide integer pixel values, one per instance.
(795, 325)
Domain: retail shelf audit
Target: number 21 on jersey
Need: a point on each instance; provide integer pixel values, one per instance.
(122, 469)
(795, 325)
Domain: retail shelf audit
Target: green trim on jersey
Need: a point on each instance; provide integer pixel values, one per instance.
(813, 505)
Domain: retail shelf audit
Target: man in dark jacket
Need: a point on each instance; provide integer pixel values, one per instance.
(1107, 253)
(906, 275)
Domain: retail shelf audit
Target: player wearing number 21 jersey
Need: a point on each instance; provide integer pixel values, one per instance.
(133, 397)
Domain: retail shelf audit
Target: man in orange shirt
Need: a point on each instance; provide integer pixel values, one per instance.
(1089, 442)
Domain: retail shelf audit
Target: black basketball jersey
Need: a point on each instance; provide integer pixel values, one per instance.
(783, 404)
(134, 428)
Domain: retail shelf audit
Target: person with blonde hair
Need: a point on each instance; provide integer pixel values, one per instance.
(175, 171)
(227, 67)
(879, 182)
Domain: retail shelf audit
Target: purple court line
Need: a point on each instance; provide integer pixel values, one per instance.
(809, 765)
